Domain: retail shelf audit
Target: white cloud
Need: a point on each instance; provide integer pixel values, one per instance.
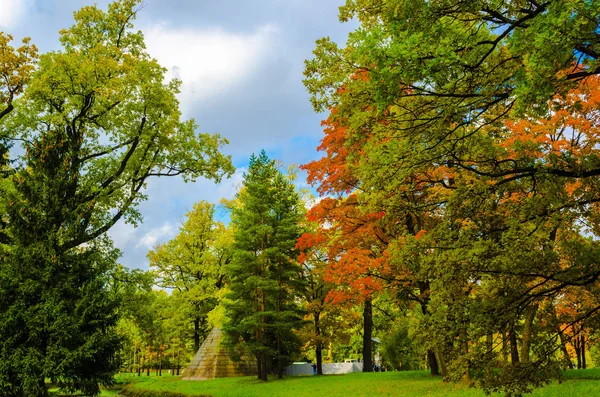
(154, 235)
(122, 233)
(229, 187)
(12, 11)
(208, 62)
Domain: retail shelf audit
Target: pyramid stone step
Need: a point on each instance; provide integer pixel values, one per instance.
(212, 361)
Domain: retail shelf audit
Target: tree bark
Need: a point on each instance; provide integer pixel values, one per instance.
(367, 335)
(442, 362)
(424, 302)
(279, 350)
(259, 366)
(583, 359)
(527, 332)
(160, 360)
(577, 351)
(319, 346)
(433, 364)
(505, 348)
(264, 367)
(514, 348)
(465, 347)
(563, 347)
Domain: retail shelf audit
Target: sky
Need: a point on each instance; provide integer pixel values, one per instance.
(241, 64)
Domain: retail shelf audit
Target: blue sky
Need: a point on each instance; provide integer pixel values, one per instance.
(241, 64)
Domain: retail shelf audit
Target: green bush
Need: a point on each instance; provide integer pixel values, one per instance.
(398, 350)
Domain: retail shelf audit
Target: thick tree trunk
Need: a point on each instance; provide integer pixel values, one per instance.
(433, 364)
(424, 302)
(259, 366)
(265, 368)
(367, 335)
(319, 346)
(319, 359)
(527, 332)
(442, 362)
(563, 346)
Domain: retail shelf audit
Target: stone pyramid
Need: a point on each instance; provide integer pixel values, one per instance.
(212, 361)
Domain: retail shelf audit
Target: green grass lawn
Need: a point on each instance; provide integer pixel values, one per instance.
(414, 383)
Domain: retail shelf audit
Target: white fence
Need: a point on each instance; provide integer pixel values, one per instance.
(328, 369)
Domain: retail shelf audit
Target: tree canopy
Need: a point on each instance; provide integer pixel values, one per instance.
(96, 119)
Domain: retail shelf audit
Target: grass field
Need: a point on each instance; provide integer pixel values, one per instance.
(415, 383)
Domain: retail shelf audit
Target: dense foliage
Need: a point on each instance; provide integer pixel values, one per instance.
(96, 120)
(458, 226)
(262, 306)
(470, 130)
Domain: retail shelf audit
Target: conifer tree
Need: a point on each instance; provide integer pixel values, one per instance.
(264, 272)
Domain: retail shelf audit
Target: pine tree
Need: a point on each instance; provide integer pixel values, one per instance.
(264, 273)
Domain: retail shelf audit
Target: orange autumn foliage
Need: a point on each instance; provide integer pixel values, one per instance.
(353, 240)
(567, 135)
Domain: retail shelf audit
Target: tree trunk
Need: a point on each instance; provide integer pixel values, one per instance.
(279, 359)
(433, 364)
(563, 348)
(263, 342)
(577, 351)
(491, 360)
(43, 388)
(424, 301)
(279, 351)
(465, 347)
(264, 367)
(367, 334)
(259, 366)
(442, 362)
(319, 346)
(583, 359)
(139, 368)
(514, 348)
(505, 348)
(196, 334)
(160, 360)
(527, 332)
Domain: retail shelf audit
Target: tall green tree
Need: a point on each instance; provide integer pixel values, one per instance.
(264, 273)
(96, 121)
(193, 264)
